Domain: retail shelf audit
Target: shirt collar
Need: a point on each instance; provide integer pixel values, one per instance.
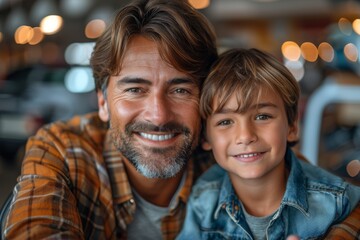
(120, 185)
(295, 194)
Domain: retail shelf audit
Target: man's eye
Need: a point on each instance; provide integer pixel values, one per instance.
(182, 91)
(262, 117)
(133, 90)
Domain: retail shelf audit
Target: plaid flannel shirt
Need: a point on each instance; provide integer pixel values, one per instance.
(73, 185)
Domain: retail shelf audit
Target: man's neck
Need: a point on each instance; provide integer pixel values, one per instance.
(154, 190)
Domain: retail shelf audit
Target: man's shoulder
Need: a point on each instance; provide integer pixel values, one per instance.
(78, 124)
(79, 128)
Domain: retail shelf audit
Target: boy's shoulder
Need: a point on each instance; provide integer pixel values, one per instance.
(319, 177)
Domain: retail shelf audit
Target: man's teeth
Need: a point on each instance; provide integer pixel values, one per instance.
(157, 137)
(249, 155)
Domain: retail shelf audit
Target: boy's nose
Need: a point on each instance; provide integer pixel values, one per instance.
(245, 134)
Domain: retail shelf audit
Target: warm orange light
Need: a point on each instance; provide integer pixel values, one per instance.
(37, 37)
(353, 168)
(291, 50)
(326, 52)
(1, 36)
(309, 51)
(23, 34)
(199, 4)
(95, 28)
(351, 52)
(356, 26)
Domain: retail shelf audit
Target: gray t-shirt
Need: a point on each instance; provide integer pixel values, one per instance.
(258, 225)
(147, 218)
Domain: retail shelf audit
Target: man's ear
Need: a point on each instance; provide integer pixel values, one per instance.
(205, 145)
(103, 107)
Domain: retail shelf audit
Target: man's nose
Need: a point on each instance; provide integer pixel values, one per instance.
(159, 109)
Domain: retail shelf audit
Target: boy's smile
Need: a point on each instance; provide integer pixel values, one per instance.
(250, 143)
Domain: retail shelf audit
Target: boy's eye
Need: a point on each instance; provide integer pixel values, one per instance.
(224, 122)
(262, 117)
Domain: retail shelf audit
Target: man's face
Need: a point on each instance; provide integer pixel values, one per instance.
(153, 111)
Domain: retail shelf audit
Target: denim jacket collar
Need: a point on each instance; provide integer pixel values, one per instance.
(295, 194)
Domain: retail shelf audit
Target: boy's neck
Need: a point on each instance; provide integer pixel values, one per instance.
(263, 196)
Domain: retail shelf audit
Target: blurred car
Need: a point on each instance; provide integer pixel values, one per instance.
(36, 95)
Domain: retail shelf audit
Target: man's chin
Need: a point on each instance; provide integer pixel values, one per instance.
(162, 172)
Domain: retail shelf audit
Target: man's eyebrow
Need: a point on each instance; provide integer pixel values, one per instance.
(126, 80)
(225, 110)
(182, 80)
(138, 80)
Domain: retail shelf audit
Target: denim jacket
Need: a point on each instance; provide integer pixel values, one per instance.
(313, 201)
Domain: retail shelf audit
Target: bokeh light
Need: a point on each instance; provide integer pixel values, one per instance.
(51, 24)
(95, 28)
(345, 26)
(199, 4)
(356, 26)
(309, 51)
(351, 52)
(326, 52)
(23, 34)
(79, 53)
(353, 168)
(291, 51)
(79, 80)
(1, 37)
(296, 68)
(37, 37)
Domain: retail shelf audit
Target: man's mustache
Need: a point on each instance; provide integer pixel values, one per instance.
(172, 127)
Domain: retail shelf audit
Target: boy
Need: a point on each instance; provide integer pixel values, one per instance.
(259, 190)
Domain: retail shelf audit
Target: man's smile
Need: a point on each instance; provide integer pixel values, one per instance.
(157, 137)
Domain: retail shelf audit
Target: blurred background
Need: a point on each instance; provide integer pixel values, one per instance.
(44, 74)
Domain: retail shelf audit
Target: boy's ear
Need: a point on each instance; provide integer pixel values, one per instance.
(103, 107)
(293, 135)
(205, 145)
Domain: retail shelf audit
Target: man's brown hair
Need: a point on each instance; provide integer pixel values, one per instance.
(184, 37)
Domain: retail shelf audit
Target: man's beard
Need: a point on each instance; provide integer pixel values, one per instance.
(154, 162)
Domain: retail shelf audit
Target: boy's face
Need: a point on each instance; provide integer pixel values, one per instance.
(250, 145)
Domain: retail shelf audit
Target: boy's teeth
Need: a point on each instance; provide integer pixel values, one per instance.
(157, 137)
(249, 155)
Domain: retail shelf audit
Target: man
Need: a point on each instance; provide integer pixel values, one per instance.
(126, 172)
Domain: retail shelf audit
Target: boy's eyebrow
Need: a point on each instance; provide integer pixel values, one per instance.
(139, 80)
(225, 110)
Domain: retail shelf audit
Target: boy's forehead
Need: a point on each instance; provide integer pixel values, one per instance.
(241, 101)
